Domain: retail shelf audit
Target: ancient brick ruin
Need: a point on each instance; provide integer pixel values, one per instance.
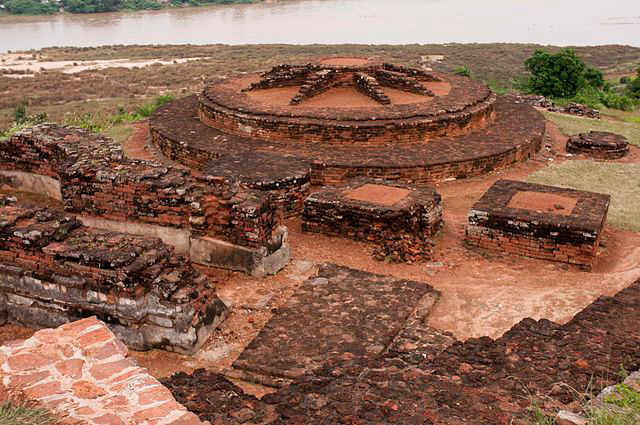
(286, 178)
(599, 144)
(54, 270)
(79, 371)
(217, 224)
(352, 117)
(539, 221)
(347, 147)
(399, 218)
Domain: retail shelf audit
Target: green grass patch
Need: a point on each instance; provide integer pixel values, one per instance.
(618, 180)
(571, 125)
(20, 415)
(628, 116)
(120, 133)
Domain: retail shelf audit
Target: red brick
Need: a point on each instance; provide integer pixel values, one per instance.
(87, 390)
(187, 419)
(75, 328)
(28, 361)
(71, 368)
(43, 390)
(106, 370)
(29, 379)
(155, 412)
(108, 419)
(153, 395)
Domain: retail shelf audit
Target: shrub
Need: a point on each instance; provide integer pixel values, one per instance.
(634, 87)
(30, 7)
(594, 78)
(556, 75)
(147, 109)
(463, 71)
(92, 6)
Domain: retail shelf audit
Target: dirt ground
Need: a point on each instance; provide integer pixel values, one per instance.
(481, 294)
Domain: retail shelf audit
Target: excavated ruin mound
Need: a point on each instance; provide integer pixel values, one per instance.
(350, 117)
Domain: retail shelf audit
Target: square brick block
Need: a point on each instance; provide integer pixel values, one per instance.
(539, 221)
(371, 210)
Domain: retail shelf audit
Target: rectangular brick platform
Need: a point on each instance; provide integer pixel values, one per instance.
(80, 372)
(54, 270)
(538, 221)
(371, 210)
(340, 312)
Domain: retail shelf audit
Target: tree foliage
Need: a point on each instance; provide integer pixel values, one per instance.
(556, 75)
(30, 7)
(91, 6)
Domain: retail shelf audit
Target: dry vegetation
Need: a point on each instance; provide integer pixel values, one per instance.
(570, 125)
(57, 93)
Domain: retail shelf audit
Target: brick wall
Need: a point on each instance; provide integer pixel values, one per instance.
(96, 179)
(380, 131)
(80, 372)
(400, 230)
(316, 83)
(54, 270)
(369, 86)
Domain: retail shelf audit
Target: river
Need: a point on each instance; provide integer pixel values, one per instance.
(558, 22)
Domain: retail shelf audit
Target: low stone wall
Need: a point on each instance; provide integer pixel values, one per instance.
(413, 72)
(80, 372)
(317, 83)
(370, 87)
(377, 211)
(54, 270)
(282, 76)
(424, 376)
(564, 234)
(397, 80)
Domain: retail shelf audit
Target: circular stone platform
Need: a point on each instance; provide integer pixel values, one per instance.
(338, 104)
(599, 144)
(479, 132)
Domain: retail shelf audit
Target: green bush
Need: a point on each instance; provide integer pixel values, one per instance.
(91, 6)
(594, 78)
(140, 5)
(634, 88)
(463, 71)
(30, 7)
(556, 75)
(147, 109)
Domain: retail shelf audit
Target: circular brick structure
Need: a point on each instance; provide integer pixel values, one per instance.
(351, 117)
(340, 104)
(599, 144)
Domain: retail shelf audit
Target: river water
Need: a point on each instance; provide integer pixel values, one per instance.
(558, 22)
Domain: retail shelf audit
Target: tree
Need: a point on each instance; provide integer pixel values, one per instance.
(30, 7)
(594, 78)
(556, 75)
(92, 6)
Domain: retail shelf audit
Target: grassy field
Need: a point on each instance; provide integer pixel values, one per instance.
(570, 125)
(105, 90)
(618, 180)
